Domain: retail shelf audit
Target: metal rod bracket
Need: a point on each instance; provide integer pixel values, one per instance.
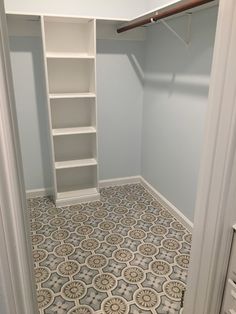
(186, 41)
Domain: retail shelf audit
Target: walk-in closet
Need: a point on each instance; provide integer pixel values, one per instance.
(111, 103)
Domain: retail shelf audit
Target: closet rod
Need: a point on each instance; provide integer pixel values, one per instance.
(163, 14)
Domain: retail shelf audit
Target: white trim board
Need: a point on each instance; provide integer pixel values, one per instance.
(102, 184)
(174, 210)
(119, 181)
(129, 180)
(18, 287)
(216, 198)
(38, 193)
(139, 179)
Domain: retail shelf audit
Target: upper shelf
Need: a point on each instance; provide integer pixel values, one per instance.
(71, 75)
(76, 163)
(69, 131)
(68, 55)
(71, 95)
(165, 12)
(69, 36)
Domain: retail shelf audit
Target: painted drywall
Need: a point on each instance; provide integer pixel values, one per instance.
(174, 105)
(122, 9)
(30, 94)
(175, 102)
(120, 96)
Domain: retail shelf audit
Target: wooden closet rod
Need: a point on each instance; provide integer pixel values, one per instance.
(181, 7)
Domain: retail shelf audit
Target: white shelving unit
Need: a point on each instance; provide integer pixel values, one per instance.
(70, 67)
(72, 95)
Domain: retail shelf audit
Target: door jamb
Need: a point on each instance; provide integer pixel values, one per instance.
(215, 211)
(16, 262)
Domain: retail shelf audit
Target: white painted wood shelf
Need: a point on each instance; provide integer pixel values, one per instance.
(75, 163)
(70, 67)
(70, 131)
(72, 95)
(68, 55)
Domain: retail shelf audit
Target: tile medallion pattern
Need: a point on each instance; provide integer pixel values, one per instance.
(123, 254)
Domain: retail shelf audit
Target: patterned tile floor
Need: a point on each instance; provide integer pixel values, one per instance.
(123, 254)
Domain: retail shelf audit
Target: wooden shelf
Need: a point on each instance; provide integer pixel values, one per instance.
(73, 112)
(75, 163)
(68, 55)
(77, 193)
(69, 131)
(72, 95)
(70, 61)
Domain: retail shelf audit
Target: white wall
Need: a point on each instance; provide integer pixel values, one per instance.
(175, 101)
(120, 96)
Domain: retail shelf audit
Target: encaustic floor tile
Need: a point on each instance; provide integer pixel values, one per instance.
(123, 254)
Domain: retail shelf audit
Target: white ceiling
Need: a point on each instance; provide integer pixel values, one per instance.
(153, 5)
(120, 9)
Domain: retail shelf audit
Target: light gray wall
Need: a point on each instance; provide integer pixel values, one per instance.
(120, 93)
(120, 96)
(173, 108)
(30, 94)
(175, 102)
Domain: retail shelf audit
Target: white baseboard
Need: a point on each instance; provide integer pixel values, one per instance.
(119, 181)
(173, 210)
(77, 200)
(129, 180)
(102, 184)
(38, 193)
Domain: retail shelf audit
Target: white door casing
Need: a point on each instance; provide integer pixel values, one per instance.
(17, 279)
(215, 211)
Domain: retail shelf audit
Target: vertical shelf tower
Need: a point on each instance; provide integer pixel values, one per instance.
(70, 67)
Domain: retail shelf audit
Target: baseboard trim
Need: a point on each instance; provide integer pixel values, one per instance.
(102, 184)
(38, 193)
(119, 181)
(77, 200)
(174, 211)
(128, 180)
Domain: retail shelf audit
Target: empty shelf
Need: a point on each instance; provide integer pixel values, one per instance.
(75, 163)
(72, 95)
(68, 55)
(69, 131)
(78, 193)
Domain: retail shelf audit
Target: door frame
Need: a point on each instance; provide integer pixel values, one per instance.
(216, 198)
(17, 283)
(215, 209)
